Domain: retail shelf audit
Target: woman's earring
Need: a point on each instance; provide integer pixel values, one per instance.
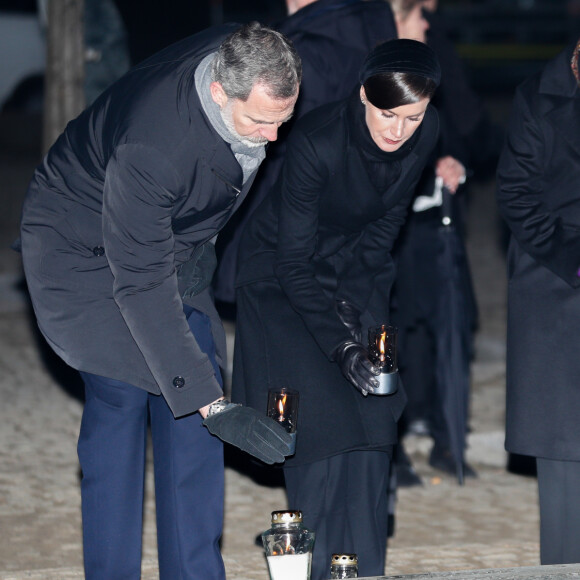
(363, 101)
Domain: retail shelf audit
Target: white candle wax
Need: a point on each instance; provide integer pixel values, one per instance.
(290, 567)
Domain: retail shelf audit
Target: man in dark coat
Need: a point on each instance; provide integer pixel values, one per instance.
(117, 241)
(332, 38)
(538, 189)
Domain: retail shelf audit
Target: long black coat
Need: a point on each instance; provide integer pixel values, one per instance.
(125, 196)
(324, 233)
(332, 37)
(539, 198)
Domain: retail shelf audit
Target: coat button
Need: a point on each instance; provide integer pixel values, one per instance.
(178, 382)
(99, 251)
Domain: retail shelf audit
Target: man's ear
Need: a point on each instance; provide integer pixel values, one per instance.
(218, 94)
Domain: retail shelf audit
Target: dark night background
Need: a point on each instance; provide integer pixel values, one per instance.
(501, 41)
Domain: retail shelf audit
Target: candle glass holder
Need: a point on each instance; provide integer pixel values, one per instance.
(288, 546)
(283, 408)
(383, 354)
(343, 566)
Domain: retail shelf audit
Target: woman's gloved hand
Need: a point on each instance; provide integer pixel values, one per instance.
(353, 360)
(350, 316)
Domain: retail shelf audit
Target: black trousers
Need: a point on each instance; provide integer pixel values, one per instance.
(559, 493)
(344, 500)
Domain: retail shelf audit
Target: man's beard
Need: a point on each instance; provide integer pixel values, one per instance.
(227, 117)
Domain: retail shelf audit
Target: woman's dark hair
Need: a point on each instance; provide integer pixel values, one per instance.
(394, 89)
(400, 72)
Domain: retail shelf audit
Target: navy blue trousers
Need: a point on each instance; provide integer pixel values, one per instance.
(189, 480)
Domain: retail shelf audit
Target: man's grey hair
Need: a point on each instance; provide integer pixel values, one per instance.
(256, 54)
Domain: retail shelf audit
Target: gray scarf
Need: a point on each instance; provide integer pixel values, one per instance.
(248, 157)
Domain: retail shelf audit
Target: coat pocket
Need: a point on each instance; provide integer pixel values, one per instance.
(73, 251)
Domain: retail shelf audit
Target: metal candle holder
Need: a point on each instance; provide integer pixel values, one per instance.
(383, 354)
(283, 408)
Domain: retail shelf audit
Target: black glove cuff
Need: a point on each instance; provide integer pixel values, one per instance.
(341, 349)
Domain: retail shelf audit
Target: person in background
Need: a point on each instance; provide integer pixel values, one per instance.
(117, 239)
(538, 195)
(106, 47)
(332, 38)
(315, 272)
(467, 139)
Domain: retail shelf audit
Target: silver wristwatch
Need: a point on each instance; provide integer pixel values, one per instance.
(218, 407)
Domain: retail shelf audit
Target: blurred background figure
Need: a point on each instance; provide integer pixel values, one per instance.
(332, 37)
(538, 192)
(106, 47)
(155, 24)
(467, 142)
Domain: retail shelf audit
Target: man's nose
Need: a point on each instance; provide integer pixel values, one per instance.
(270, 132)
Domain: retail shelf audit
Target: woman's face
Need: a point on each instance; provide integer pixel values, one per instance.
(390, 128)
(414, 26)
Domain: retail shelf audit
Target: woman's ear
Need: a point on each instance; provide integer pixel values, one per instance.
(363, 95)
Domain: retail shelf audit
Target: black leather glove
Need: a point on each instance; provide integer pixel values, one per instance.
(350, 317)
(353, 360)
(251, 431)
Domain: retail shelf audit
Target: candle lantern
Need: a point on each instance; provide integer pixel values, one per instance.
(283, 407)
(383, 354)
(288, 546)
(344, 566)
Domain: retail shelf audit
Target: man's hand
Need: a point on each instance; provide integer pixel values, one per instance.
(353, 360)
(251, 431)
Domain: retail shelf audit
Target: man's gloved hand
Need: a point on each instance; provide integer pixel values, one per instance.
(251, 431)
(350, 317)
(353, 360)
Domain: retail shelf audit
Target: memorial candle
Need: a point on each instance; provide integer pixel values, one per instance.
(290, 566)
(283, 407)
(288, 546)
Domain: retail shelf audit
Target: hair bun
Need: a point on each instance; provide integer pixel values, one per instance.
(402, 55)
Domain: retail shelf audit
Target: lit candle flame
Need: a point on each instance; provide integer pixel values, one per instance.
(281, 406)
(382, 345)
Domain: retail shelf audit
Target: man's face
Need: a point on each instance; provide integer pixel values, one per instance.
(256, 120)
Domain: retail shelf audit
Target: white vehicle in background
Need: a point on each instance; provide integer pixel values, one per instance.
(22, 46)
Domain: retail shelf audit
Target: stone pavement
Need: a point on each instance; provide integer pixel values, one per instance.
(490, 522)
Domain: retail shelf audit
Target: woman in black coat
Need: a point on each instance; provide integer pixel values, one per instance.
(539, 197)
(314, 272)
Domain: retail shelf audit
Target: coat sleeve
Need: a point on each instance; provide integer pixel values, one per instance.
(373, 254)
(524, 202)
(140, 190)
(304, 178)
